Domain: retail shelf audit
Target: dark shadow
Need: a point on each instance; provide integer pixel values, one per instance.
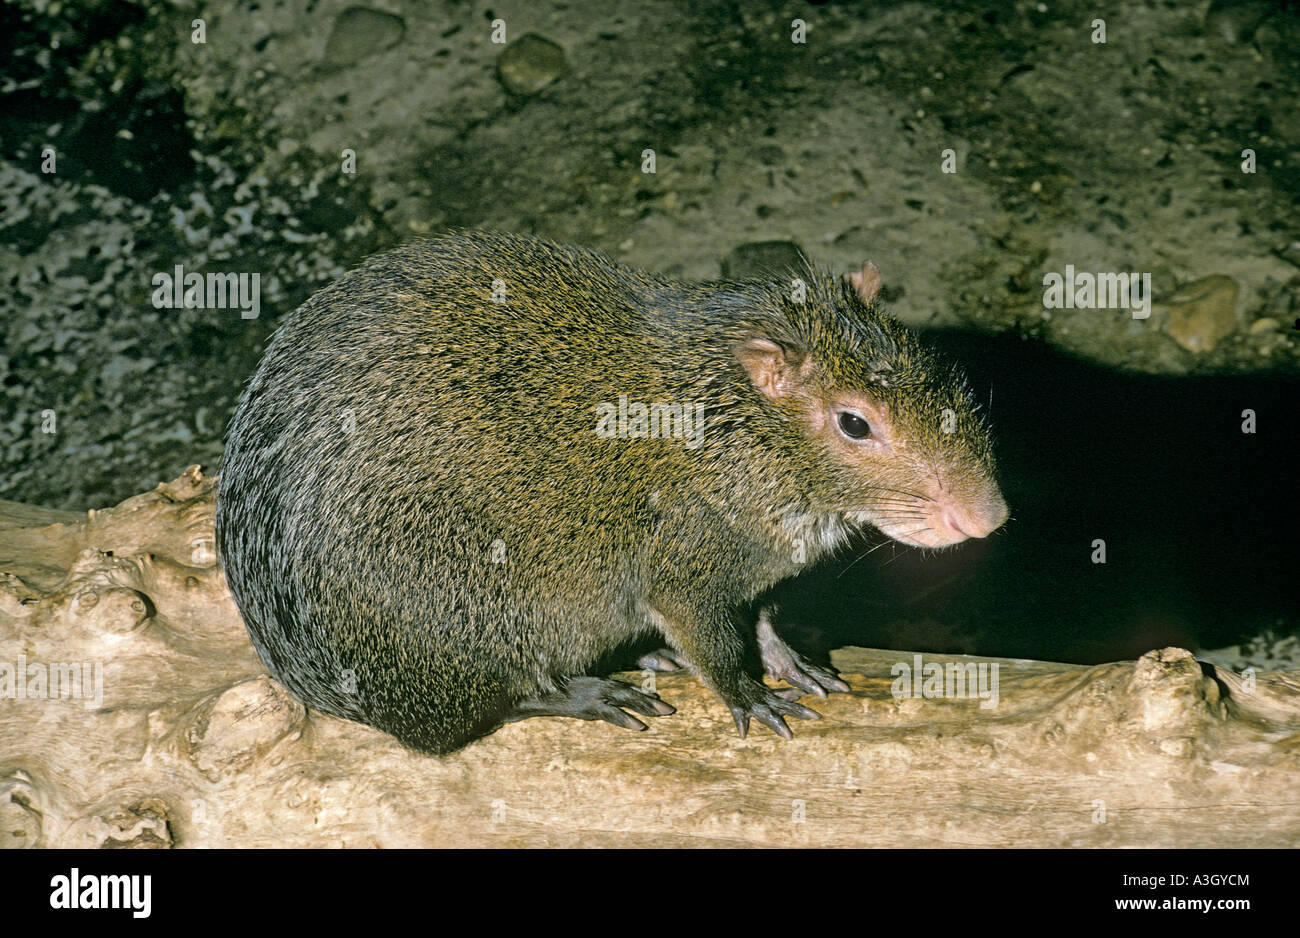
(1199, 520)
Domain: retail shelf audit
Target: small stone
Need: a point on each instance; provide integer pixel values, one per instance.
(763, 260)
(1235, 20)
(1202, 313)
(1289, 252)
(530, 63)
(360, 32)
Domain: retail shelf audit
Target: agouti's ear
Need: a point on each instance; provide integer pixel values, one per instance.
(775, 370)
(866, 282)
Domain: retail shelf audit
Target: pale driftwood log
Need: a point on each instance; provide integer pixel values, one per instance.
(194, 746)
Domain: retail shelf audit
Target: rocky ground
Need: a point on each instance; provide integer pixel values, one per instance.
(227, 155)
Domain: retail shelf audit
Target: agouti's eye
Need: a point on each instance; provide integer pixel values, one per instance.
(854, 426)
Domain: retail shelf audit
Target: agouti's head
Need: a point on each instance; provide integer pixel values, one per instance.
(896, 439)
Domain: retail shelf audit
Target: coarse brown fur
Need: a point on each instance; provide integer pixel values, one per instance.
(422, 528)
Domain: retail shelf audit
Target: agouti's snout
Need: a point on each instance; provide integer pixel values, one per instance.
(940, 518)
(951, 522)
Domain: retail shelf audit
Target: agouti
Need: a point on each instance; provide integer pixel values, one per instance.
(468, 469)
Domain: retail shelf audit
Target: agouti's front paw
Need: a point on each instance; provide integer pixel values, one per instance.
(796, 670)
(783, 663)
(769, 707)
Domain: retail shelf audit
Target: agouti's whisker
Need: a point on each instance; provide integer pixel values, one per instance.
(906, 494)
(863, 556)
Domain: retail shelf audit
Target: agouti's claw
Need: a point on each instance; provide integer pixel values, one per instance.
(802, 712)
(783, 663)
(826, 680)
(776, 724)
(742, 720)
(623, 695)
(619, 718)
(770, 707)
(594, 698)
(810, 679)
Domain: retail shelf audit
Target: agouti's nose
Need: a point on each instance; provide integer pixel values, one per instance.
(978, 520)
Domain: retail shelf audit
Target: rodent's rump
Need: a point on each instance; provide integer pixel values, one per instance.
(472, 466)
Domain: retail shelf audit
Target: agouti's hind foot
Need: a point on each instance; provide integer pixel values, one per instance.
(770, 707)
(593, 698)
(783, 663)
(665, 659)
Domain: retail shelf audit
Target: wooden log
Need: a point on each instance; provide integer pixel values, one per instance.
(191, 744)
